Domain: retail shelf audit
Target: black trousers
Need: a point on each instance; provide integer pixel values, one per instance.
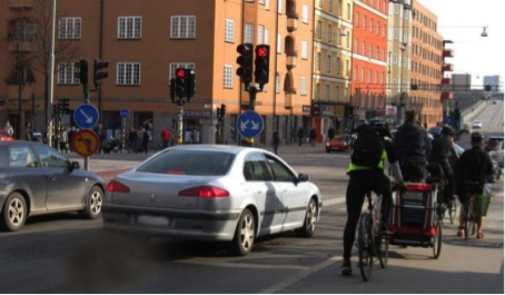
(360, 182)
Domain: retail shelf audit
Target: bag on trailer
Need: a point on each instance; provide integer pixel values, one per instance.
(368, 147)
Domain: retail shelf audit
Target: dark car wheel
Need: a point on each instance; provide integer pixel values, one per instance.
(244, 234)
(309, 223)
(14, 212)
(94, 203)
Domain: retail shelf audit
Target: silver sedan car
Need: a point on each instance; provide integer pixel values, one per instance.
(36, 179)
(213, 193)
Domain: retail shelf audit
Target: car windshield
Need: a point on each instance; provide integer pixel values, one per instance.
(189, 162)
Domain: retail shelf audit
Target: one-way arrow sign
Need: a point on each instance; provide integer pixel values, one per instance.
(86, 116)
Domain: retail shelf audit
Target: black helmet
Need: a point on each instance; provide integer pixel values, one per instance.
(447, 130)
(477, 137)
(378, 124)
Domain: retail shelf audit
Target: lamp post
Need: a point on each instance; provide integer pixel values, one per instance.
(51, 78)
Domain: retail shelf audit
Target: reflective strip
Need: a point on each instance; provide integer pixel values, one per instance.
(353, 167)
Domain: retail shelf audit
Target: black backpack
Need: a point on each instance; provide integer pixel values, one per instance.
(368, 147)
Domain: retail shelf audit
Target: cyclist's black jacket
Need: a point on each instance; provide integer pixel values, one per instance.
(440, 152)
(412, 140)
(474, 165)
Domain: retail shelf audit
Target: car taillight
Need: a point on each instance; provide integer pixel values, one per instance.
(420, 187)
(117, 187)
(204, 191)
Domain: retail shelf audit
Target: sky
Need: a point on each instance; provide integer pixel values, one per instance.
(462, 22)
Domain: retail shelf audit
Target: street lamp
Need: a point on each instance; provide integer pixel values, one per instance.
(484, 33)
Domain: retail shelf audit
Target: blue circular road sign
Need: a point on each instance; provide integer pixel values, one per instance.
(86, 116)
(124, 113)
(250, 124)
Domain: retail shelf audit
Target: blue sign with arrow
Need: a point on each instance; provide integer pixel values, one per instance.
(124, 113)
(250, 124)
(86, 116)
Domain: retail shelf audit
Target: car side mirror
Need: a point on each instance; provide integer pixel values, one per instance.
(302, 177)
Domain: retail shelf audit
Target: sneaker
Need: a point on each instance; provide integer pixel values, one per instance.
(346, 268)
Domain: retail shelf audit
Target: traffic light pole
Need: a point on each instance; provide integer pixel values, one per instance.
(181, 121)
(252, 97)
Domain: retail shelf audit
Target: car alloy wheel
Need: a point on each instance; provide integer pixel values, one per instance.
(309, 224)
(14, 212)
(94, 203)
(244, 234)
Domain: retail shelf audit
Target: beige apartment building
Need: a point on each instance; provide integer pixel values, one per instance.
(426, 67)
(332, 64)
(143, 43)
(399, 59)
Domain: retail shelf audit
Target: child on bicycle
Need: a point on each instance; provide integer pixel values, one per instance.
(471, 171)
(368, 175)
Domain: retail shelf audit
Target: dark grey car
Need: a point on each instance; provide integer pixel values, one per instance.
(36, 179)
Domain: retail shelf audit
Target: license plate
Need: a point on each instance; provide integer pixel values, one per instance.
(154, 220)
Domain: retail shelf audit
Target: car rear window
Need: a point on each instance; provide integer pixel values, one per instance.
(189, 162)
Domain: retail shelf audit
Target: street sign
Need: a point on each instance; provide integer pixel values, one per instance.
(85, 142)
(86, 116)
(250, 124)
(124, 113)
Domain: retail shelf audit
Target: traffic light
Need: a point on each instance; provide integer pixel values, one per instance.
(262, 64)
(98, 75)
(81, 71)
(223, 110)
(190, 83)
(487, 87)
(180, 82)
(245, 61)
(56, 110)
(172, 89)
(64, 105)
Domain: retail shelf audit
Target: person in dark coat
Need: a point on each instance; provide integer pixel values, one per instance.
(299, 134)
(102, 135)
(275, 141)
(331, 133)
(145, 140)
(312, 137)
(441, 150)
(133, 138)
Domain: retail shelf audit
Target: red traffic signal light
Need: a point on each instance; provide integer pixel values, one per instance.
(245, 61)
(180, 82)
(180, 73)
(262, 64)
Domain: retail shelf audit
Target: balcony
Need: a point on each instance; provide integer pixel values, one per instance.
(292, 24)
(446, 81)
(289, 98)
(448, 53)
(448, 68)
(291, 58)
(21, 5)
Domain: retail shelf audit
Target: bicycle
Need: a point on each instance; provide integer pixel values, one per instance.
(470, 221)
(370, 242)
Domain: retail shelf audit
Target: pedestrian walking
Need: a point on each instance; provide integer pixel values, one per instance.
(145, 140)
(165, 137)
(312, 136)
(64, 141)
(331, 133)
(8, 128)
(133, 138)
(299, 134)
(71, 134)
(102, 136)
(275, 141)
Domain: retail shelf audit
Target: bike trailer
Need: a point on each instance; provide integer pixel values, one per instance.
(414, 215)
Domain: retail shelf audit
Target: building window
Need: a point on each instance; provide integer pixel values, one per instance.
(337, 93)
(328, 64)
(279, 6)
(305, 14)
(330, 5)
(339, 65)
(69, 28)
(183, 27)
(129, 27)
(279, 38)
(317, 91)
(319, 29)
(328, 92)
(66, 74)
(229, 31)
(248, 33)
(348, 11)
(277, 82)
(356, 20)
(318, 61)
(128, 73)
(228, 76)
(329, 33)
(261, 34)
(305, 50)
(303, 86)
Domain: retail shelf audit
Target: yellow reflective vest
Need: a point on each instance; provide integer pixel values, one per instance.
(353, 167)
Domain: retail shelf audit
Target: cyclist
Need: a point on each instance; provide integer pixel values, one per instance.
(441, 150)
(472, 170)
(413, 147)
(364, 178)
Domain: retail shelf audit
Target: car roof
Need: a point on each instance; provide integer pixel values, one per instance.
(234, 149)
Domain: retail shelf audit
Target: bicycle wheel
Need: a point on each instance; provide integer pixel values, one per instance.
(365, 246)
(437, 240)
(467, 218)
(382, 243)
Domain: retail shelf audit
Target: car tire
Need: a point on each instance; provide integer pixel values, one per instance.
(245, 234)
(309, 222)
(94, 202)
(14, 212)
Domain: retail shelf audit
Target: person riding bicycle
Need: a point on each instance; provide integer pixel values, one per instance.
(413, 147)
(366, 173)
(471, 171)
(441, 150)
